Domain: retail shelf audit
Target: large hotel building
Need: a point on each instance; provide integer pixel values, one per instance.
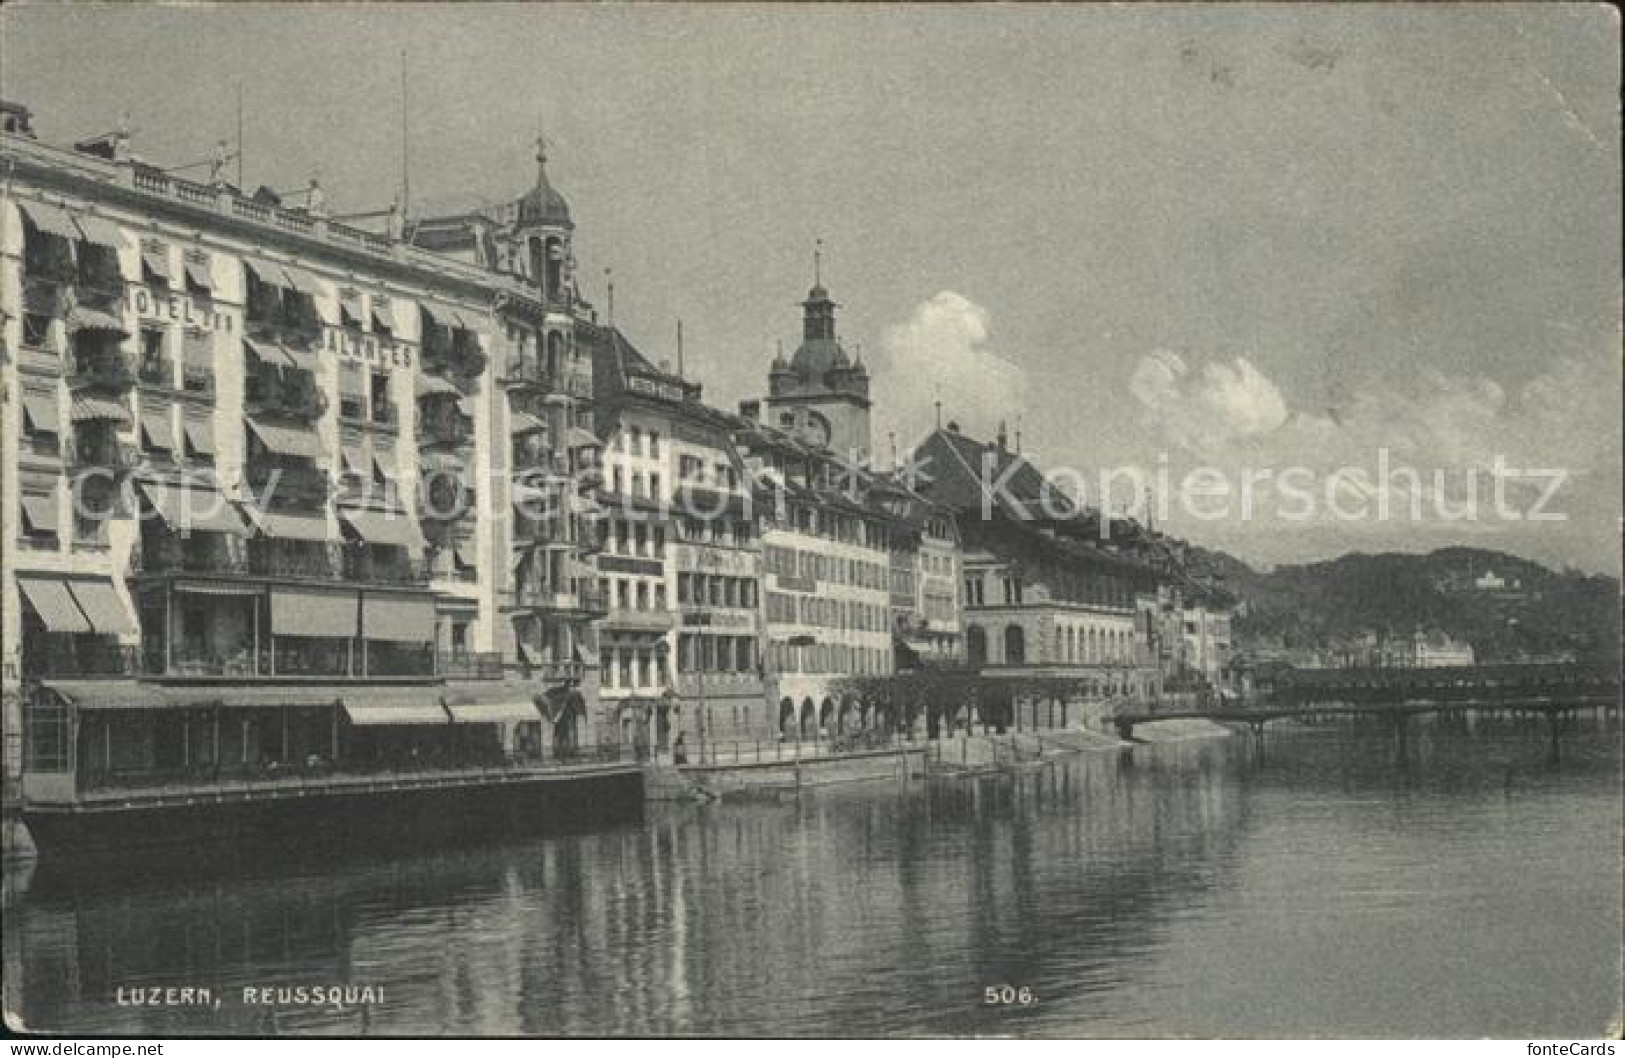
(282, 494)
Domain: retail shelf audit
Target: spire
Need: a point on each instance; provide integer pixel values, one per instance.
(818, 262)
(542, 204)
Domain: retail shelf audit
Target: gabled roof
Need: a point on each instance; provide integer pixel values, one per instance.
(965, 470)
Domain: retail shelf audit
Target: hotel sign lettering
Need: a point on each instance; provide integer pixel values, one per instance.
(649, 387)
(367, 348)
(197, 314)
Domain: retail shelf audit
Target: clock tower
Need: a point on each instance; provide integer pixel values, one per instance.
(821, 395)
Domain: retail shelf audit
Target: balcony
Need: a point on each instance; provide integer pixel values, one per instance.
(588, 600)
(445, 426)
(384, 567)
(69, 657)
(468, 665)
(198, 553)
(386, 413)
(732, 684)
(291, 559)
(157, 372)
(101, 452)
(657, 621)
(556, 671)
(266, 395)
(101, 369)
(287, 483)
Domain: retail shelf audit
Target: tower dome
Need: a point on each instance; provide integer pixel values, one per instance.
(543, 204)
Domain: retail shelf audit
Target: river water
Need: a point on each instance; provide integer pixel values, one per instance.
(1187, 889)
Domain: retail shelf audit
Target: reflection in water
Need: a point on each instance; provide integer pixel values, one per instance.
(1182, 890)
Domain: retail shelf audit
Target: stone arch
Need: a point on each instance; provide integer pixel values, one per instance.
(826, 715)
(787, 716)
(809, 718)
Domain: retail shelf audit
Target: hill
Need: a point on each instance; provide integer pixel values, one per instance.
(1507, 607)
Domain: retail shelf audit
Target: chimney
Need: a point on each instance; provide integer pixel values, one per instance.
(750, 410)
(1004, 438)
(953, 426)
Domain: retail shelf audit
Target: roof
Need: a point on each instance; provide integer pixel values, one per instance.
(542, 204)
(957, 463)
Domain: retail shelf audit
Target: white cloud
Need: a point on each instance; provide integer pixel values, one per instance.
(943, 352)
(1218, 403)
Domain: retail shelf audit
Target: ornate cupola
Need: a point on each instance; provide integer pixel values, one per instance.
(820, 384)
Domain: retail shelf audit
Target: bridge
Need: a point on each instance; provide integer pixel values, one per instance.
(1554, 691)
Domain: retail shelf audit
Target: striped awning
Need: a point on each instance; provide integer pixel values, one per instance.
(197, 274)
(372, 708)
(524, 422)
(156, 262)
(391, 529)
(41, 411)
(395, 618)
(53, 604)
(155, 424)
(288, 440)
(382, 318)
(200, 435)
(132, 694)
(313, 614)
(109, 615)
(435, 386)
(266, 352)
(296, 278)
(302, 359)
(98, 231)
(519, 708)
(85, 318)
(39, 511)
(199, 353)
(189, 509)
(279, 525)
(49, 220)
(440, 463)
(98, 409)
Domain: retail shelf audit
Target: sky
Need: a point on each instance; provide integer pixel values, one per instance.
(1219, 239)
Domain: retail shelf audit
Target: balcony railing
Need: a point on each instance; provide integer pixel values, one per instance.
(640, 620)
(303, 402)
(555, 671)
(105, 370)
(385, 413)
(587, 600)
(468, 665)
(270, 561)
(100, 453)
(67, 659)
(173, 555)
(157, 371)
(303, 486)
(385, 569)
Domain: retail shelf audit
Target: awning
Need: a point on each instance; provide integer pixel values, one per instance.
(350, 304)
(465, 405)
(439, 462)
(296, 278)
(200, 435)
(131, 694)
(50, 220)
(41, 411)
(156, 262)
(435, 386)
(579, 438)
(266, 352)
(464, 555)
(383, 470)
(379, 708)
(382, 318)
(85, 318)
(262, 272)
(398, 619)
(197, 273)
(51, 601)
(189, 509)
(199, 354)
(39, 512)
(524, 422)
(354, 459)
(352, 381)
(392, 529)
(97, 409)
(311, 613)
(282, 526)
(522, 710)
(302, 359)
(217, 587)
(100, 601)
(98, 231)
(289, 440)
(155, 424)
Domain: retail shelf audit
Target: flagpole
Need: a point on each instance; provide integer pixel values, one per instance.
(240, 138)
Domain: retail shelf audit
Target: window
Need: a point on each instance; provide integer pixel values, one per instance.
(660, 596)
(690, 468)
(623, 595)
(654, 486)
(973, 591)
(1015, 645)
(643, 595)
(634, 440)
(654, 444)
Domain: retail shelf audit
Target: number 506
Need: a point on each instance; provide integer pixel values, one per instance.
(1007, 996)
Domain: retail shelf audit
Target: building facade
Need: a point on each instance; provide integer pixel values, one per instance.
(247, 516)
